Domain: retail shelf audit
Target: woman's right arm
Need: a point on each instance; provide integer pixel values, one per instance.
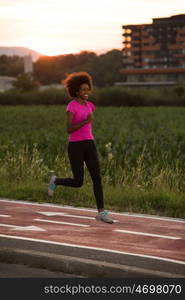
(73, 127)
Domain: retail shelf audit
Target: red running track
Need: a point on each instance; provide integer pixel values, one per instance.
(141, 235)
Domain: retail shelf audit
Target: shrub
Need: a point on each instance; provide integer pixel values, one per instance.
(47, 97)
(109, 96)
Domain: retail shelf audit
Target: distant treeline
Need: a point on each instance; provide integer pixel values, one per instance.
(107, 96)
(52, 70)
(105, 72)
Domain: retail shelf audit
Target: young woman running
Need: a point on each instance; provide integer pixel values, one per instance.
(81, 146)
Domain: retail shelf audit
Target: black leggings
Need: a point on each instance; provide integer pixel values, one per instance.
(80, 152)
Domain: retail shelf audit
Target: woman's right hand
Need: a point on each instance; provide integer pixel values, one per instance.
(90, 117)
(73, 127)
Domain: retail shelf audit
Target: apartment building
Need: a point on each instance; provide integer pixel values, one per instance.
(155, 51)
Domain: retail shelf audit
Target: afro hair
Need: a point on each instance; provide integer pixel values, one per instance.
(75, 80)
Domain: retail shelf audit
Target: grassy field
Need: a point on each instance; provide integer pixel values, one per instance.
(141, 150)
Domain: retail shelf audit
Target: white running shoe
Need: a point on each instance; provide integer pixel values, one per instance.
(104, 216)
(51, 186)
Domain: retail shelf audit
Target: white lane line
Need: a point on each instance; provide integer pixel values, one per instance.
(148, 234)
(180, 262)
(15, 227)
(4, 216)
(62, 223)
(151, 217)
(94, 210)
(52, 214)
(6, 225)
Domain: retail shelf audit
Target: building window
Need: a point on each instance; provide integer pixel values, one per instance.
(127, 45)
(128, 31)
(128, 53)
(127, 39)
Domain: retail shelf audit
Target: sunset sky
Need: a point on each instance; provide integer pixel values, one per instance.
(54, 27)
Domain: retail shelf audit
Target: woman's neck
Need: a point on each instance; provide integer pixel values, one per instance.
(80, 100)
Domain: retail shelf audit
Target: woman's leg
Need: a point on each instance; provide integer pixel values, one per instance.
(76, 158)
(92, 163)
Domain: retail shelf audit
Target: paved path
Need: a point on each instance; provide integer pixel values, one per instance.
(140, 241)
(22, 271)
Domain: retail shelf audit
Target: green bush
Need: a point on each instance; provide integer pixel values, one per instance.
(115, 96)
(46, 97)
(109, 96)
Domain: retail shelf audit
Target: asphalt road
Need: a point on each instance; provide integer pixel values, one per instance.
(23, 271)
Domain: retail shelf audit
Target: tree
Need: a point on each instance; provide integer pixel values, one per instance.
(105, 68)
(11, 65)
(26, 83)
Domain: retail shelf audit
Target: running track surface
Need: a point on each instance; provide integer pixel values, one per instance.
(141, 235)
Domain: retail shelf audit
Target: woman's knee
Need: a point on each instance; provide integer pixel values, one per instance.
(78, 182)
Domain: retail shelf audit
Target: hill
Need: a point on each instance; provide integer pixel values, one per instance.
(20, 51)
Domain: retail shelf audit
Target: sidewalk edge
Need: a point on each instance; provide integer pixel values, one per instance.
(77, 266)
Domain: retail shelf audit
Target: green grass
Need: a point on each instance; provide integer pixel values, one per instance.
(141, 150)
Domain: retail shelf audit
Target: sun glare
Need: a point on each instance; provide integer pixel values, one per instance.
(58, 27)
(48, 50)
(46, 47)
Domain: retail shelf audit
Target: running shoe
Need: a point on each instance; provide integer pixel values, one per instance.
(104, 216)
(51, 186)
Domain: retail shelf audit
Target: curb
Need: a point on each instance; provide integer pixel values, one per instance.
(77, 266)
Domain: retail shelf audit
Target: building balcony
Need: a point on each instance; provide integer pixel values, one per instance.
(176, 46)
